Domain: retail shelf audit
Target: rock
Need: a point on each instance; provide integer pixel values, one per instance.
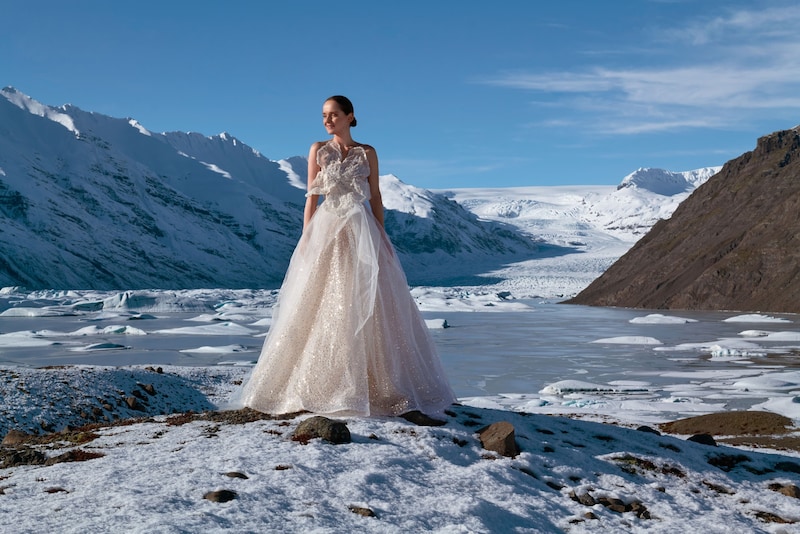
(15, 437)
(220, 496)
(790, 490)
(420, 419)
(25, 456)
(789, 467)
(322, 427)
(649, 430)
(613, 504)
(134, 404)
(704, 439)
(360, 510)
(75, 455)
(148, 388)
(236, 474)
(500, 438)
(585, 499)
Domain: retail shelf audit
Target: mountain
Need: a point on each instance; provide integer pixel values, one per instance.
(92, 201)
(734, 244)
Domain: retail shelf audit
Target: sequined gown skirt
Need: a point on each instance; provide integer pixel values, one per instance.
(346, 337)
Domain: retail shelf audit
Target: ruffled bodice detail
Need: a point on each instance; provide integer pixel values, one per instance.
(342, 180)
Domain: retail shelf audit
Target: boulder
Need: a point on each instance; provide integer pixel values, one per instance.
(500, 438)
(322, 427)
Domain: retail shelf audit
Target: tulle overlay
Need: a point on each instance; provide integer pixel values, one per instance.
(346, 336)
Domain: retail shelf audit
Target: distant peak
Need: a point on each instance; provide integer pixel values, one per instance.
(34, 107)
(664, 182)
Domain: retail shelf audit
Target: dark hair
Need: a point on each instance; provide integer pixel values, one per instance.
(346, 106)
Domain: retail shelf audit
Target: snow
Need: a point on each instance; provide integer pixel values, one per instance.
(142, 130)
(37, 108)
(405, 198)
(294, 178)
(216, 169)
(658, 318)
(629, 340)
(757, 318)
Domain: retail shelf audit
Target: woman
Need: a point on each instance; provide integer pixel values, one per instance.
(346, 336)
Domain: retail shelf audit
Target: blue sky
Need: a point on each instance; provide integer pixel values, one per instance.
(451, 93)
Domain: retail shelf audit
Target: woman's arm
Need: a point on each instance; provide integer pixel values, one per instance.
(312, 200)
(375, 200)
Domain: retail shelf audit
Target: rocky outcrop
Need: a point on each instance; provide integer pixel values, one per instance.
(734, 244)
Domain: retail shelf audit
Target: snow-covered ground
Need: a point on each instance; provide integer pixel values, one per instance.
(576, 429)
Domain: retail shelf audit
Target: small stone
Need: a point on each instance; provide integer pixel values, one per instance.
(322, 427)
(790, 490)
(220, 496)
(15, 437)
(236, 474)
(649, 430)
(500, 438)
(615, 505)
(585, 499)
(420, 419)
(148, 388)
(703, 439)
(360, 510)
(133, 403)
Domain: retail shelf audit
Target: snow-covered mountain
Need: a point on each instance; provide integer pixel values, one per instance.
(571, 215)
(91, 201)
(581, 230)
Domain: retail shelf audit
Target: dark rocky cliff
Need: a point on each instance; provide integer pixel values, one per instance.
(734, 244)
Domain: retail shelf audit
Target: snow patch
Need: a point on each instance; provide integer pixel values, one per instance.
(216, 169)
(756, 318)
(657, 318)
(142, 129)
(34, 107)
(630, 340)
(292, 176)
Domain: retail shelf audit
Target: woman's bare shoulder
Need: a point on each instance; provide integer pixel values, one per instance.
(369, 149)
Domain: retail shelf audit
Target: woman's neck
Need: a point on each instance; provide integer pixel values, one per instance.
(344, 141)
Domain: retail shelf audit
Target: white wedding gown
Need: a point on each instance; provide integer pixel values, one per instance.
(346, 336)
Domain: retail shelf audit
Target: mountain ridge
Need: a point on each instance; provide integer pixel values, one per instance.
(97, 202)
(733, 244)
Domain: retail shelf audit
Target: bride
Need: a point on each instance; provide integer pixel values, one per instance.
(346, 336)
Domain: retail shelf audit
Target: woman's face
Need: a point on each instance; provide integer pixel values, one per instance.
(334, 119)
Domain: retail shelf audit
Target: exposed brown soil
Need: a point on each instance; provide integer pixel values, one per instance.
(744, 428)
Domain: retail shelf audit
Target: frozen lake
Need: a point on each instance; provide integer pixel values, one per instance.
(540, 357)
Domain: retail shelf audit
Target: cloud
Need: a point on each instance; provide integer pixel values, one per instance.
(717, 72)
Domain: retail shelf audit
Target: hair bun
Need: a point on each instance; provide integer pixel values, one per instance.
(353, 122)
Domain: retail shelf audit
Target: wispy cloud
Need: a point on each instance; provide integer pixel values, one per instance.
(719, 71)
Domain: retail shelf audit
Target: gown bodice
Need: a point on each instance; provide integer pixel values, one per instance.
(342, 180)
